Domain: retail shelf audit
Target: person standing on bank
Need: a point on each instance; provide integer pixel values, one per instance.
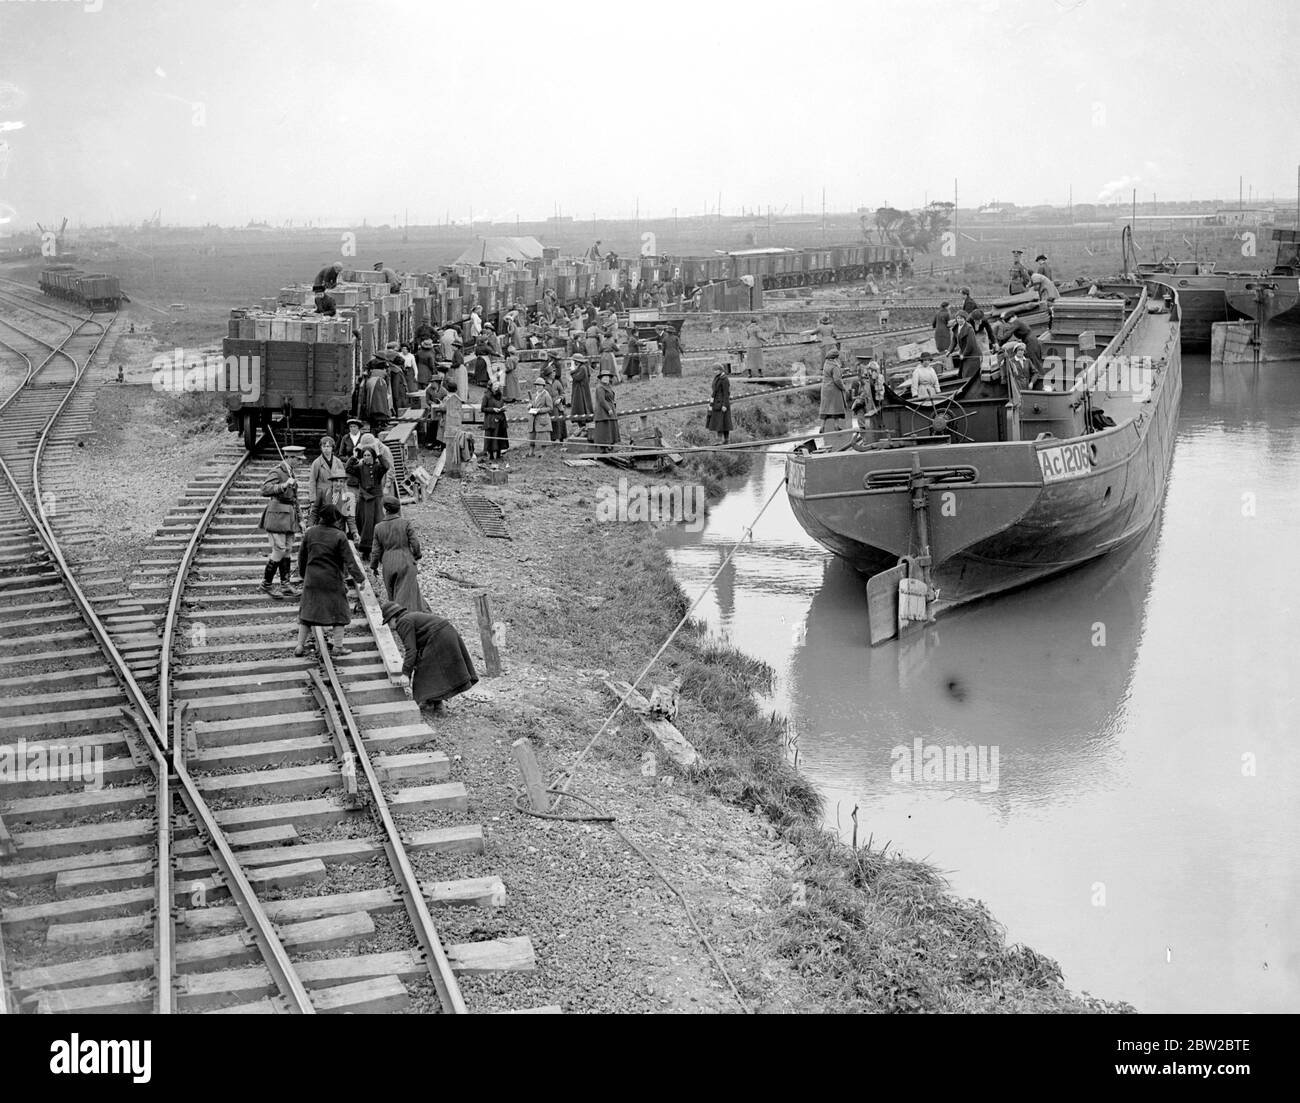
(719, 420)
(672, 346)
(753, 348)
(496, 437)
(325, 564)
(396, 551)
(280, 520)
(605, 430)
(436, 658)
(580, 401)
(540, 409)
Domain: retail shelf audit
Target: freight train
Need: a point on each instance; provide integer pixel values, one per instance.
(94, 290)
(782, 267)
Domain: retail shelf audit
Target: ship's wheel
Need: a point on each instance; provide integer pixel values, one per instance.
(941, 420)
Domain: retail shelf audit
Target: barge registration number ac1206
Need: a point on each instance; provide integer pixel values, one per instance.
(1065, 461)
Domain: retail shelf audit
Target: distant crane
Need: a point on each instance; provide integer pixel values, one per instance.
(58, 235)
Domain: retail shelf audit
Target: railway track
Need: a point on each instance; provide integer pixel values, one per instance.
(260, 833)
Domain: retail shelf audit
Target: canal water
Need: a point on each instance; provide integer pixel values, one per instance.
(1141, 826)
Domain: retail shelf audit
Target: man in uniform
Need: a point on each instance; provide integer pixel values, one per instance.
(1018, 276)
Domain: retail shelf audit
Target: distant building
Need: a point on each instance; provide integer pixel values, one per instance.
(1234, 216)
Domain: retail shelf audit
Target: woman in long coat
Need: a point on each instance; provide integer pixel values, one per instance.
(942, 329)
(593, 341)
(559, 420)
(672, 345)
(825, 333)
(581, 396)
(833, 411)
(496, 436)
(605, 431)
(754, 347)
(324, 564)
(436, 658)
(510, 388)
(632, 358)
(396, 551)
(540, 407)
(369, 469)
(720, 407)
(608, 362)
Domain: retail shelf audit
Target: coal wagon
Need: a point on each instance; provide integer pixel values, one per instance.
(307, 386)
(97, 291)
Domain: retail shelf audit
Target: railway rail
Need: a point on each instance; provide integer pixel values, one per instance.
(227, 853)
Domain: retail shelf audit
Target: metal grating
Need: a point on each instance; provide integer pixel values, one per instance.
(487, 515)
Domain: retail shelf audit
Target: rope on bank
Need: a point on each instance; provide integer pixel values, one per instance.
(612, 821)
(565, 778)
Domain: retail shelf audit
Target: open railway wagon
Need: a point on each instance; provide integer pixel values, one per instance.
(307, 386)
(775, 268)
(96, 291)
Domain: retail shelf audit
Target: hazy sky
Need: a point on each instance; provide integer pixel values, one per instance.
(343, 109)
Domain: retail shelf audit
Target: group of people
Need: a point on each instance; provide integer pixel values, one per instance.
(436, 658)
(851, 398)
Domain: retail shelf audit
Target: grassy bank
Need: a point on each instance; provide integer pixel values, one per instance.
(866, 930)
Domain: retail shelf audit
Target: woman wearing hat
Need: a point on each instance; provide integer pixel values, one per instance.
(672, 345)
(833, 410)
(719, 420)
(328, 476)
(593, 341)
(437, 660)
(426, 363)
(397, 550)
(754, 347)
(555, 384)
(375, 403)
(605, 430)
(325, 564)
(824, 331)
(370, 471)
(540, 407)
(510, 384)
(496, 437)
(942, 333)
(580, 400)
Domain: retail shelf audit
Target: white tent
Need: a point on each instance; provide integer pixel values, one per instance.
(499, 250)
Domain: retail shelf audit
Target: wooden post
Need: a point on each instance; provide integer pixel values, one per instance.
(487, 633)
(522, 750)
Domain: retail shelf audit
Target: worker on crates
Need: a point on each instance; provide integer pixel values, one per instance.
(327, 277)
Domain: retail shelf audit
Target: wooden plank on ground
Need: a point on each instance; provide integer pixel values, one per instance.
(675, 745)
